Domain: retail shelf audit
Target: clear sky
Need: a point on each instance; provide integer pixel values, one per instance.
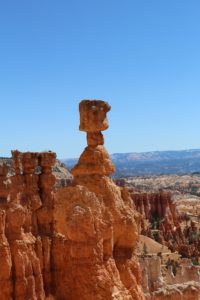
(142, 56)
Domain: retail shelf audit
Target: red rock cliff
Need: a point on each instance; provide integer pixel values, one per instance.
(72, 243)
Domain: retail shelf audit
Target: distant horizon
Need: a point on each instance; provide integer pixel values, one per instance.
(128, 152)
(139, 152)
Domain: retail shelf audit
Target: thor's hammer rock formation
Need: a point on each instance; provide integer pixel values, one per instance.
(95, 159)
(99, 223)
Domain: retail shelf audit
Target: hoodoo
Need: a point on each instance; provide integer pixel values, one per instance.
(98, 221)
(95, 159)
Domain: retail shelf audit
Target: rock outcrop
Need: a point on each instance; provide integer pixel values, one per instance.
(61, 173)
(165, 275)
(98, 223)
(73, 242)
(184, 291)
(160, 282)
(159, 213)
(161, 222)
(76, 238)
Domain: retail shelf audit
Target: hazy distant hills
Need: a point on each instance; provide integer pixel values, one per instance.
(153, 163)
(145, 163)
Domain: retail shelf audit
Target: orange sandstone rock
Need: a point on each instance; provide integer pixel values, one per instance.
(93, 115)
(95, 159)
(6, 284)
(75, 242)
(97, 223)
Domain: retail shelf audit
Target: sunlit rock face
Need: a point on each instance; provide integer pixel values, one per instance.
(165, 276)
(97, 221)
(93, 115)
(95, 159)
(22, 242)
(78, 242)
(68, 243)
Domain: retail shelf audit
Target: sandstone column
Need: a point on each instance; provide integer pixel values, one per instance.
(96, 222)
(95, 159)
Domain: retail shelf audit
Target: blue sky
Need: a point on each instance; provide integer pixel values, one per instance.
(143, 57)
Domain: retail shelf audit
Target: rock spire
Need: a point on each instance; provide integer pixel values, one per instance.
(95, 159)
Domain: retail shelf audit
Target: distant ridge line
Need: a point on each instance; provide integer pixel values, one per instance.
(153, 162)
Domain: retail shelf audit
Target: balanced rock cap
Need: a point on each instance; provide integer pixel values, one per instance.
(93, 115)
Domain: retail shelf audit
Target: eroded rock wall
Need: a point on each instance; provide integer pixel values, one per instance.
(69, 243)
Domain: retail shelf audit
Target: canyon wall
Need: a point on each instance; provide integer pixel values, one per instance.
(73, 242)
(75, 238)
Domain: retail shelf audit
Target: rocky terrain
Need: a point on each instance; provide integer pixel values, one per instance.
(81, 236)
(177, 184)
(61, 173)
(184, 189)
(170, 218)
(74, 242)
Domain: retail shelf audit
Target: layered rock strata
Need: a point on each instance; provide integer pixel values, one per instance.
(98, 223)
(162, 222)
(74, 242)
(166, 275)
(159, 213)
(21, 234)
(160, 282)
